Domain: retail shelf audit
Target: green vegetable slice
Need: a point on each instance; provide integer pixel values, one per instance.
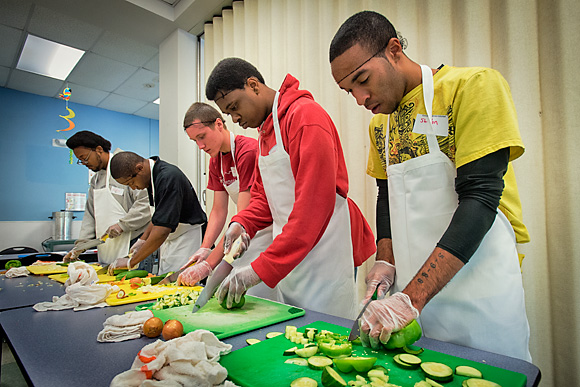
(319, 362)
(297, 361)
(290, 351)
(304, 382)
(132, 274)
(359, 364)
(402, 364)
(468, 371)
(307, 351)
(406, 336)
(476, 382)
(331, 378)
(433, 383)
(413, 350)
(334, 349)
(437, 371)
(422, 383)
(252, 341)
(410, 359)
(12, 263)
(271, 335)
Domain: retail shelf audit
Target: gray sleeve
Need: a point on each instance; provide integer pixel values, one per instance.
(139, 214)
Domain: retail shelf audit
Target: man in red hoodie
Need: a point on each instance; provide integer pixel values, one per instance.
(301, 188)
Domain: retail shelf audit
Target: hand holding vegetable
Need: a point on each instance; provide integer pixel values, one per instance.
(136, 246)
(384, 316)
(194, 274)
(381, 277)
(199, 256)
(73, 255)
(236, 284)
(114, 231)
(121, 263)
(232, 233)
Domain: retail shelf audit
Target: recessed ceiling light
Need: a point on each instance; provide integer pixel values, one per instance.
(41, 56)
(156, 101)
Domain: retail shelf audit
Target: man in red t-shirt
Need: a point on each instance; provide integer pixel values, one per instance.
(231, 175)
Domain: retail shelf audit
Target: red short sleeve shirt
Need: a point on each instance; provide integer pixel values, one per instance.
(223, 171)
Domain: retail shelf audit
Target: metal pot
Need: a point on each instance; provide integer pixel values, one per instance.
(62, 225)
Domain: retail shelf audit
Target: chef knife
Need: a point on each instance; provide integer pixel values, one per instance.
(219, 274)
(173, 276)
(91, 243)
(355, 330)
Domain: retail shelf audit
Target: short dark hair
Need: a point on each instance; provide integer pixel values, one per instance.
(123, 164)
(370, 29)
(203, 112)
(228, 75)
(88, 140)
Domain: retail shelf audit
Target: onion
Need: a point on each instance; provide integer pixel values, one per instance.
(153, 327)
(172, 329)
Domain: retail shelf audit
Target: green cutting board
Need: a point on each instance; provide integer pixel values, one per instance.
(256, 313)
(262, 364)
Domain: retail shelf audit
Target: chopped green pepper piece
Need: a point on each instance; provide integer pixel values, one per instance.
(406, 336)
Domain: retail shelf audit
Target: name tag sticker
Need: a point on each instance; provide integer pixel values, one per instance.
(440, 125)
(116, 190)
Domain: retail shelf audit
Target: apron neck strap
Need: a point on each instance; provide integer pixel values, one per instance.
(428, 94)
(232, 152)
(151, 165)
(108, 174)
(275, 120)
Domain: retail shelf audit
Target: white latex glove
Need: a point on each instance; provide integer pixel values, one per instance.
(382, 275)
(121, 263)
(384, 316)
(194, 274)
(236, 284)
(136, 246)
(199, 256)
(114, 231)
(232, 233)
(73, 255)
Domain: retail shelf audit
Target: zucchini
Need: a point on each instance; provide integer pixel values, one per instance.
(271, 335)
(132, 274)
(413, 350)
(422, 383)
(410, 359)
(468, 371)
(297, 361)
(304, 382)
(12, 263)
(359, 364)
(402, 364)
(433, 383)
(289, 331)
(476, 382)
(252, 341)
(290, 351)
(331, 378)
(307, 351)
(319, 362)
(437, 371)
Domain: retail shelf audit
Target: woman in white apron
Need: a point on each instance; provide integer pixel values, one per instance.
(108, 211)
(422, 197)
(324, 280)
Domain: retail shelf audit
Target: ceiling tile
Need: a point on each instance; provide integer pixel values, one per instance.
(53, 26)
(123, 49)
(151, 110)
(34, 83)
(100, 73)
(4, 71)
(10, 43)
(121, 104)
(86, 95)
(153, 64)
(143, 85)
(14, 12)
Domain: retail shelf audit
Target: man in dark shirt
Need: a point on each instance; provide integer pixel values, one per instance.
(176, 222)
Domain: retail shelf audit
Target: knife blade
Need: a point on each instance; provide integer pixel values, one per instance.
(172, 277)
(103, 270)
(219, 274)
(91, 243)
(355, 330)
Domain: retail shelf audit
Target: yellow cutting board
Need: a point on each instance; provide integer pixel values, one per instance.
(63, 277)
(53, 268)
(140, 296)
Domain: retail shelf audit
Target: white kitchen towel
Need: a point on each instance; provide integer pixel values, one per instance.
(121, 327)
(80, 272)
(190, 360)
(79, 297)
(21, 271)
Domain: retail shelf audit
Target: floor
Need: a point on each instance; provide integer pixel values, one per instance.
(11, 375)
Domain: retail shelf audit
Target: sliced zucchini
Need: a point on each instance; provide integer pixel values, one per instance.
(304, 382)
(319, 362)
(271, 335)
(331, 378)
(289, 331)
(437, 371)
(252, 341)
(433, 383)
(290, 351)
(422, 383)
(476, 382)
(297, 361)
(307, 351)
(468, 371)
(413, 350)
(402, 364)
(410, 359)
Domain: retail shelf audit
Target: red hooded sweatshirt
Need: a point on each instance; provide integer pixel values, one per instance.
(312, 142)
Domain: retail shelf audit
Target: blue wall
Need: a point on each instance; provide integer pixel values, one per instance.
(35, 175)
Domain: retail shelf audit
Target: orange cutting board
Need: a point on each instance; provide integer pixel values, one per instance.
(137, 295)
(53, 268)
(63, 277)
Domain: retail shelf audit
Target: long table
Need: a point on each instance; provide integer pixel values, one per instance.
(60, 348)
(22, 292)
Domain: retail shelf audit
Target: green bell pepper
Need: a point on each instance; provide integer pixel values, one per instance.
(405, 337)
(335, 349)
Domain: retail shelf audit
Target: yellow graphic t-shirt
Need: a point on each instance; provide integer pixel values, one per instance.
(482, 119)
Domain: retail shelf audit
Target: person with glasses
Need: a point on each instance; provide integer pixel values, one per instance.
(176, 224)
(448, 210)
(231, 175)
(301, 188)
(111, 209)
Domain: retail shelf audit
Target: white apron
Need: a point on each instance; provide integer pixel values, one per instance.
(180, 244)
(483, 305)
(324, 280)
(260, 241)
(108, 211)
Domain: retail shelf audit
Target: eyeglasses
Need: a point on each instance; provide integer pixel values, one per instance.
(198, 123)
(85, 161)
(363, 63)
(222, 96)
(129, 179)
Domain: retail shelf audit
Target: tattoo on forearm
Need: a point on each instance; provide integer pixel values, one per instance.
(432, 265)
